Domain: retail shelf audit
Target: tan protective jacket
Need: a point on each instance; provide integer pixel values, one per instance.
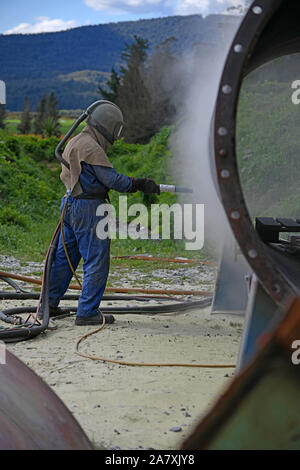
(90, 147)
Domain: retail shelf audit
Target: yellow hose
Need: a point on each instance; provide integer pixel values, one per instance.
(145, 364)
(115, 361)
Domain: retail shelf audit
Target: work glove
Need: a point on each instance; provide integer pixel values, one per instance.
(146, 185)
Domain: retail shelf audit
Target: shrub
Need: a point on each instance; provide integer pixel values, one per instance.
(12, 216)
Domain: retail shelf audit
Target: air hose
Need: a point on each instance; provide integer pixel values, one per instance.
(26, 330)
(186, 305)
(146, 364)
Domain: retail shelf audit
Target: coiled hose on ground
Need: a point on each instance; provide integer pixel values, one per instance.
(31, 327)
(26, 329)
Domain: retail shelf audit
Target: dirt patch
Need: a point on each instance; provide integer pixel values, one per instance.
(137, 407)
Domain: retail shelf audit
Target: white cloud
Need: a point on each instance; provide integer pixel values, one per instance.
(170, 7)
(42, 24)
(188, 7)
(204, 7)
(132, 6)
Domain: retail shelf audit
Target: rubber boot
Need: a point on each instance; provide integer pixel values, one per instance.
(53, 312)
(95, 320)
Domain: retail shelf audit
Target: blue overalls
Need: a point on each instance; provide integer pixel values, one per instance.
(80, 223)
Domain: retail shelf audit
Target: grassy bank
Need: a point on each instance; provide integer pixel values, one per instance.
(268, 157)
(31, 192)
(29, 195)
(14, 120)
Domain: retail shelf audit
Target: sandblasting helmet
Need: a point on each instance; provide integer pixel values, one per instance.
(107, 118)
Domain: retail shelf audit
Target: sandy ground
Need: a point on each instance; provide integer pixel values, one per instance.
(122, 407)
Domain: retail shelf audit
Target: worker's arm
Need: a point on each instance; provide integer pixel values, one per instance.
(110, 178)
(122, 183)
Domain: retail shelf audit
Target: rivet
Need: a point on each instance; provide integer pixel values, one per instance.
(225, 174)
(276, 288)
(252, 253)
(222, 131)
(235, 215)
(222, 153)
(227, 89)
(257, 10)
(238, 48)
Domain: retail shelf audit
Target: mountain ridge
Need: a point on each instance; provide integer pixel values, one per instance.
(32, 63)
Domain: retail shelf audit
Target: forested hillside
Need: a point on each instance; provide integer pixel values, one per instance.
(72, 63)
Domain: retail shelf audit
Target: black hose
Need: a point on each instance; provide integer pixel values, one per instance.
(175, 307)
(28, 332)
(58, 149)
(12, 284)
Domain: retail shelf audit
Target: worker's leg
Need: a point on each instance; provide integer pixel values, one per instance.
(61, 273)
(95, 253)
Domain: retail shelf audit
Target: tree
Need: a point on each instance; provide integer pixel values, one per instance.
(40, 115)
(162, 85)
(46, 122)
(51, 125)
(135, 53)
(133, 96)
(110, 93)
(2, 116)
(25, 125)
(145, 88)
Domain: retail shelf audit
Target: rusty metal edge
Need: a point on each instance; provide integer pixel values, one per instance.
(272, 344)
(32, 414)
(228, 179)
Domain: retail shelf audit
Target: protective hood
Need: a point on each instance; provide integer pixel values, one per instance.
(89, 147)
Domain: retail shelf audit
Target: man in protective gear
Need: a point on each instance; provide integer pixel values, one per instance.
(88, 180)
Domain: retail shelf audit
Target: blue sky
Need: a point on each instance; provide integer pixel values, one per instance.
(33, 16)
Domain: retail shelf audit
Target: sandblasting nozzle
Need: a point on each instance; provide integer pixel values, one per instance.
(170, 188)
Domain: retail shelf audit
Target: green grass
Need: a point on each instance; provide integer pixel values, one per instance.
(29, 201)
(65, 125)
(268, 150)
(161, 248)
(31, 191)
(12, 125)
